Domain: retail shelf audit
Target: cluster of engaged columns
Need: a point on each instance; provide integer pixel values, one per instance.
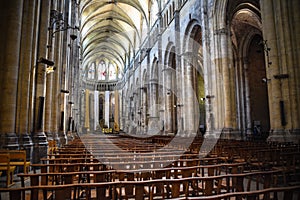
(32, 103)
(281, 21)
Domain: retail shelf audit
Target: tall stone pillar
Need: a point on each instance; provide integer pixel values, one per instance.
(117, 108)
(226, 78)
(247, 98)
(189, 108)
(282, 50)
(25, 74)
(143, 109)
(96, 109)
(39, 136)
(106, 107)
(57, 97)
(49, 107)
(226, 96)
(10, 38)
(153, 126)
(87, 110)
(293, 69)
(91, 111)
(50, 86)
(169, 92)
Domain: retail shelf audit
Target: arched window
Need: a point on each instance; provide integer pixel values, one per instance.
(91, 72)
(102, 71)
(153, 12)
(112, 72)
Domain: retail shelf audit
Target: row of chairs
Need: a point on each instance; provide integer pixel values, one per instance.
(9, 160)
(78, 173)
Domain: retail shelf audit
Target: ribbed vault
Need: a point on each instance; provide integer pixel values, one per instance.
(113, 29)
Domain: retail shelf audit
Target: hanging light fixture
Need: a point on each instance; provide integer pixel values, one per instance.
(58, 24)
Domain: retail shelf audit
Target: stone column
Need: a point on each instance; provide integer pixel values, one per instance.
(280, 23)
(169, 92)
(57, 97)
(293, 69)
(86, 110)
(226, 78)
(39, 136)
(289, 52)
(269, 31)
(247, 100)
(51, 77)
(153, 126)
(91, 111)
(117, 108)
(96, 109)
(106, 107)
(191, 112)
(25, 74)
(143, 110)
(11, 23)
(226, 98)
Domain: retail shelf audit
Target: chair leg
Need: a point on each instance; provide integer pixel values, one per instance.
(8, 179)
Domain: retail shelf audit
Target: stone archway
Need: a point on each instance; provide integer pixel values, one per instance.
(197, 75)
(250, 70)
(194, 107)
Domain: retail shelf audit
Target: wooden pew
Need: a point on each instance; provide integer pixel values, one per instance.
(283, 193)
(18, 158)
(171, 188)
(5, 166)
(177, 173)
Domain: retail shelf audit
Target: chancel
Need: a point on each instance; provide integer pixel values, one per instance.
(150, 99)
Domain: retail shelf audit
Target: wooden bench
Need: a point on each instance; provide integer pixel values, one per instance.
(5, 166)
(156, 189)
(18, 158)
(283, 193)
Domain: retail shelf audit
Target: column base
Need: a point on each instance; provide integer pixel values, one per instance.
(187, 133)
(9, 141)
(169, 133)
(70, 136)
(62, 138)
(56, 138)
(49, 135)
(231, 134)
(283, 136)
(40, 147)
(153, 126)
(212, 134)
(25, 140)
(27, 144)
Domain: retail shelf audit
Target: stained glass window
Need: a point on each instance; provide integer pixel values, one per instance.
(102, 71)
(91, 72)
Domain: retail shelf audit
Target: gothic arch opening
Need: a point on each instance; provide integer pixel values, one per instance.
(193, 62)
(197, 74)
(258, 91)
(250, 69)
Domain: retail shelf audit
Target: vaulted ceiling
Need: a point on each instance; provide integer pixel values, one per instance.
(113, 29)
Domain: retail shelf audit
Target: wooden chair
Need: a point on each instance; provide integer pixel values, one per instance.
(52, 146)
(18, 158)
(5, 165)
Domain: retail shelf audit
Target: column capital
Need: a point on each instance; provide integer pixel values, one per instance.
(168, 69)
(153, 81)
(221, 31)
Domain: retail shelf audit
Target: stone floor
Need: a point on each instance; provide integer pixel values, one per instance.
(16, 184)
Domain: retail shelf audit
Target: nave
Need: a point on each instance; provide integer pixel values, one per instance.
(101, 166)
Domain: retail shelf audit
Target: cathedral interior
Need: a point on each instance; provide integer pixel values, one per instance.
(150, 99)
